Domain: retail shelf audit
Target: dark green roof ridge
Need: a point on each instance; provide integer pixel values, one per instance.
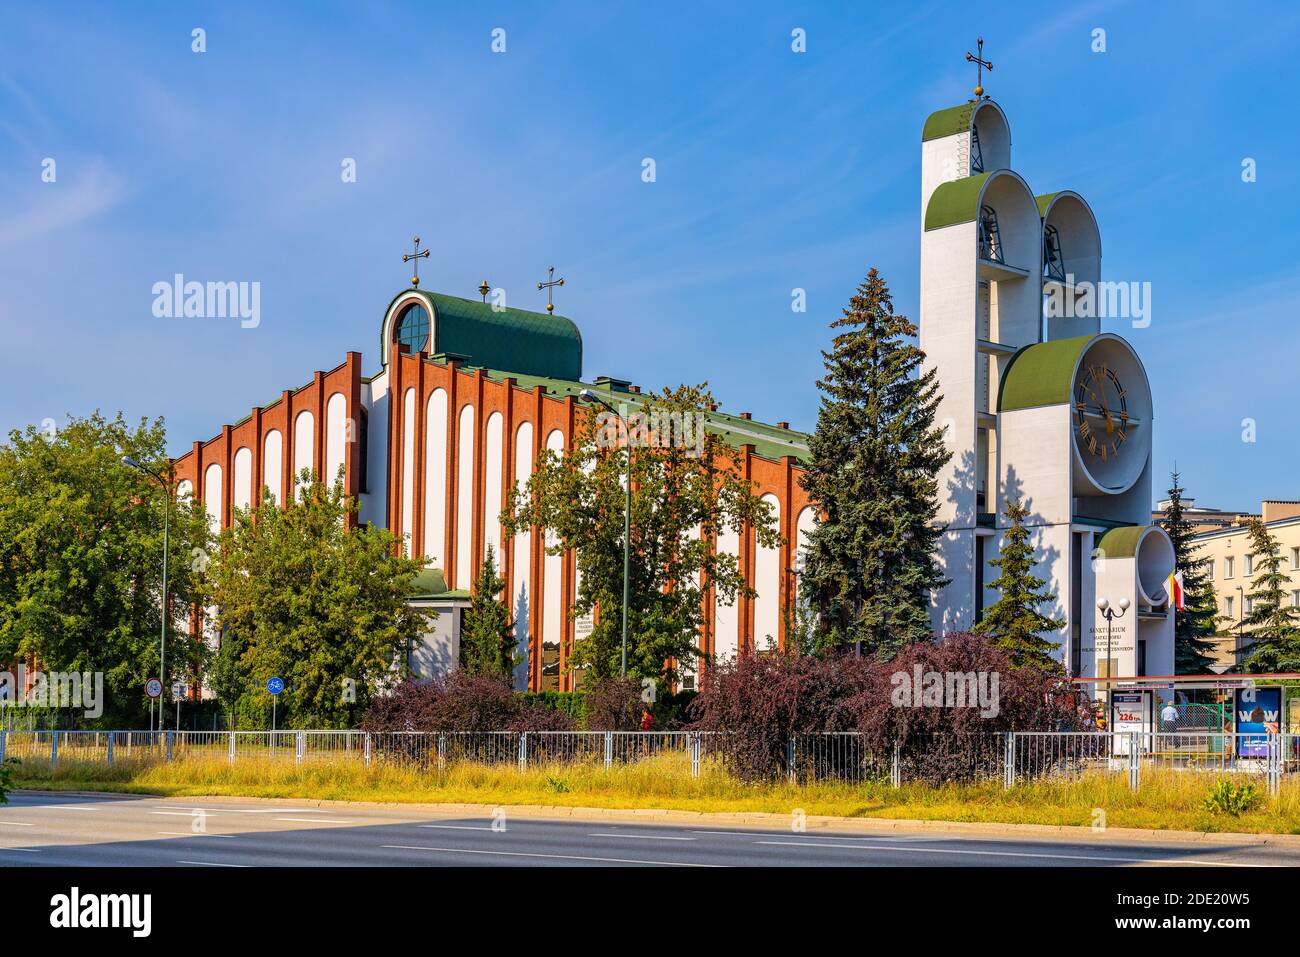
(956, 201)
(1041, 374)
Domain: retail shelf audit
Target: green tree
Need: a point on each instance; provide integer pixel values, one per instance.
(1273, 625)
(1198, 622)
(685, 489)
(874, 461)
(487, 633)
(81, 556)
(1014, 621)
(305, 594)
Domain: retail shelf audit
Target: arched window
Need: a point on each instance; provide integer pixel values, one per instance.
(990, 240)
(413, 328)
(1053, 258)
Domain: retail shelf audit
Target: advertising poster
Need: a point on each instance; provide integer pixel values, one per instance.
(1258, 715)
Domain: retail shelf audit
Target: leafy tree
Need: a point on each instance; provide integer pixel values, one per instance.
(685, 489)
(1197, 623)
(874, 461)
(487, 632)
(1273, 625)
(81, 556)
(1013, 622)
(304, 595)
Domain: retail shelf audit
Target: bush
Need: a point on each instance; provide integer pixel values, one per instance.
(614, 704)
(760, 702)
(1232, 799)
(452, 702)
(7, 768)
(570, 703)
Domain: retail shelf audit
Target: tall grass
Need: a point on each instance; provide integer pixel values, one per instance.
(1092, 799)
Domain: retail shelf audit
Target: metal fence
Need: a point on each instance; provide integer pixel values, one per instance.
(1012, 758)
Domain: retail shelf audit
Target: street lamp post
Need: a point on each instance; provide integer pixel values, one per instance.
(162, 640)
(627, 518)
(1108, 611)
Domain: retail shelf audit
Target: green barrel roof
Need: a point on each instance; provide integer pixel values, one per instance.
(955, 119)
(1121, 542)
(512, 340)
(956, 201)
(1041, 374)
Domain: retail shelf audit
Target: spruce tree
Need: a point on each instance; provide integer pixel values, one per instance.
(872, 473)
(487, 633)
(1014, 622)
(1197, 623)
(1273, 625)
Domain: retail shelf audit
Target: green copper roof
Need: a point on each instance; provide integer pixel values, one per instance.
(1044, 202)
(770, 441)
(432, 584)
(1041, 374)
(956, 201)
(1121, 542)
(513, 340)
(955, 119)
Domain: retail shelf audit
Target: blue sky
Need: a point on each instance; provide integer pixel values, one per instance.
(775, 170)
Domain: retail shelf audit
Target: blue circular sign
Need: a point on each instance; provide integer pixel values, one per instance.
(275, 685)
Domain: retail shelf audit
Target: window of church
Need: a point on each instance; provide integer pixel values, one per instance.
(413, 328)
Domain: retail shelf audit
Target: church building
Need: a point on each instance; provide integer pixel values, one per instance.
(1048, 410)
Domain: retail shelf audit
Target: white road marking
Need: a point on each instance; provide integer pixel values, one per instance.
(553, 857)
(15, 824)
(991, 853)
(643, 837)
(180, 813)
(314, 820)
(22, 850)
(213, 864)
(191, 834)
(65, 807)
(459, 827)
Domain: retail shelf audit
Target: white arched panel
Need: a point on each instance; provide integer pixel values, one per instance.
(184, 492)
(803, 529)
(521, 597)
(726, 618)
(273, 463)
(767, 582)
(336, 437)
(552, 571)
(408, 468)
(304, 447)
(242, 490)
(465, 498)
(212, 496)
(435, 479)
(494, 441)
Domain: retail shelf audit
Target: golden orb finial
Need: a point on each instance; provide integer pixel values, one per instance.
(484, 289)
(415, 281)
(550, 307)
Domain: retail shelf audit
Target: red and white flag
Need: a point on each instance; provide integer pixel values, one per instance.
(1174, 589)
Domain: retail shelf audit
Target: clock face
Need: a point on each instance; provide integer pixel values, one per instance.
(1101, 416)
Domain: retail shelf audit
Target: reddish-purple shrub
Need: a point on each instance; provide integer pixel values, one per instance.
(538, 717)
(614, 704)
(757, 703)
(454, 702)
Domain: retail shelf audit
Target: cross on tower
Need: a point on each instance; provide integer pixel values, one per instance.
(416, 257)
(981, 65)
(548, 286)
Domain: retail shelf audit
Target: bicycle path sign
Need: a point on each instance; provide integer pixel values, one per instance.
(275, 685)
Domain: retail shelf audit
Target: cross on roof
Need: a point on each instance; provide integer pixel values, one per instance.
(415, 256)
(981, 65)
(548, 286)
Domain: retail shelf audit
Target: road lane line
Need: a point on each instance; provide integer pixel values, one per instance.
(643, 837)
(183, 813)
(1058, 857)
(459, 827)
(212, 864)
(22, 850)
(190, 834)
(15, 824)
(553, 857)
(315, 820)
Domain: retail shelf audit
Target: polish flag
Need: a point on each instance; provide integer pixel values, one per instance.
(1174, 589)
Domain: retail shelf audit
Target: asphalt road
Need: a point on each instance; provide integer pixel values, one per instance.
(117, 831)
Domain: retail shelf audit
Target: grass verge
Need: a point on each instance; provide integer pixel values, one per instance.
(1164, 803)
